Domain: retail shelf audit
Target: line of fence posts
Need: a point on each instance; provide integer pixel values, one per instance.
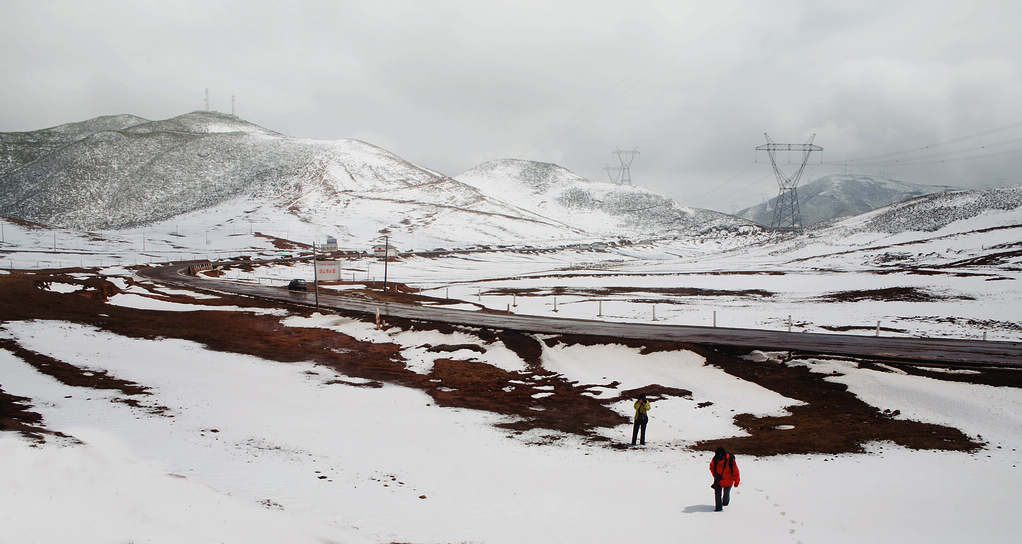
(599, 306)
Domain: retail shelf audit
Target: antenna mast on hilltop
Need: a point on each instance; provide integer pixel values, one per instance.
(623, 172)
(207, 98)
(232, 105)
(786, 214)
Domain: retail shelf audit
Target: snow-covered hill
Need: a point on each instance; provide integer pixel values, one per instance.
(1001, 206)
(976, 230)
(119, 172)
(843, 195)
(248, 449)
(124, 171)
(555, 193)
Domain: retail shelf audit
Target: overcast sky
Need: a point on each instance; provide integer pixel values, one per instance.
(887, 87)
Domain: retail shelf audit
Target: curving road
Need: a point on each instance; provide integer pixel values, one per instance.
(932, 350)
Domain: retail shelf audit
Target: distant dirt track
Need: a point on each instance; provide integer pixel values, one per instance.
(393, 304)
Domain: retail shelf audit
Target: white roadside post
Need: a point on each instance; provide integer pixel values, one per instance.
(315, 274)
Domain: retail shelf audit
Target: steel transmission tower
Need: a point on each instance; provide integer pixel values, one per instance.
(615, 173)
(624, 172)
(786, 213)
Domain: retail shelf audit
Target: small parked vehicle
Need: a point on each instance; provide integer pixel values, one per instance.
(297, 284)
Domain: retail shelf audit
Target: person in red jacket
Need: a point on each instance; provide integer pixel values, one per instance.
(725, 474)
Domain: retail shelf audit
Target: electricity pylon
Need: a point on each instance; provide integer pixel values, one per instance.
(786, 213)
(622, 174)
(615, 173)
(626, 158)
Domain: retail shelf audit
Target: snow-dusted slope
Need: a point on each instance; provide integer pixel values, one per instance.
(607, 208)
(998, 207)
(200, 122)
(112, 173)
(124, 171)
(958, 229)
(20, 149)
(843, 195)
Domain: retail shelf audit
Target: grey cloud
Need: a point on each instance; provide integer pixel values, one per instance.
(451, 84)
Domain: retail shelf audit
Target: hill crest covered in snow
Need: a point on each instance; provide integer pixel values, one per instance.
(124, 171)
(559, 194)
(837, 196)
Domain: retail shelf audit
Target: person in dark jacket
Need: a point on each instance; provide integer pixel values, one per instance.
(725, 474)
(641, 408)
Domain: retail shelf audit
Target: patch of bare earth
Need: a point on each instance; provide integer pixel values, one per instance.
(16, 415)
(890, 294)
(832, 420)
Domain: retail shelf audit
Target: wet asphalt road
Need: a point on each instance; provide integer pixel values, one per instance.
(933, 350)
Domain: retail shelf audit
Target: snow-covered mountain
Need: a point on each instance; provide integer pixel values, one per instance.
(981, 209)
(959, 230)
(843, 195)
(124, 171)
(557, 194)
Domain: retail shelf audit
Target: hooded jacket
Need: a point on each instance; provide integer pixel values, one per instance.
(641, 407)
(727, 469)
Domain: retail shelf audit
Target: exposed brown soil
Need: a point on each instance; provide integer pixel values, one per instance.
(281, 243)
(621, 291)
(890, 294)
(831, 421)
(16, 415)
(847, 328)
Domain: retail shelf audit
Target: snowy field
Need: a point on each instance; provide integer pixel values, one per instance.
(248, 450)
(254, 451)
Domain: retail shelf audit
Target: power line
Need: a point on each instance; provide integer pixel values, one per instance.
(722, 185)
(927, 147)
(636, 76)
(943, 157)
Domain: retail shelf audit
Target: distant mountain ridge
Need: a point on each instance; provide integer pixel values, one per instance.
(124, 171)
(556, 193)
(843, 195)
